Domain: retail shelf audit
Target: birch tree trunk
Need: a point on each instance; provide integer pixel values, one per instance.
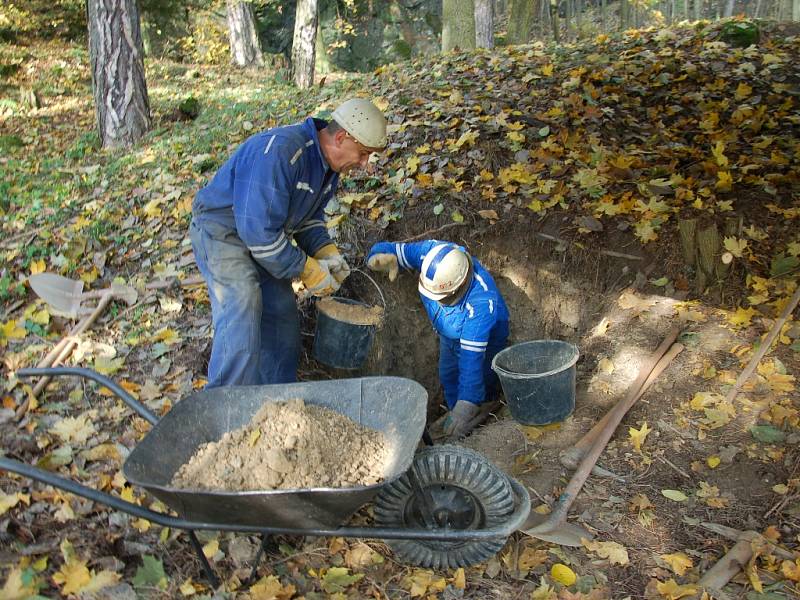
(484, 24)
(303, 45)
(519, 22)
(245, 48)
(795, 10)
(458, 25)
(118, 83)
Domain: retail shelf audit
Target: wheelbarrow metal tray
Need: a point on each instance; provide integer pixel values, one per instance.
(394, 405)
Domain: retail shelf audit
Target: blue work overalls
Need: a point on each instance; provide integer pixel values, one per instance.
(470, 332)
(252, 227)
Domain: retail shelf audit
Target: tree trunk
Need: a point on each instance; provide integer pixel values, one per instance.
(322, 64)
(603, 15)
(484, 24)
(245, 48)
(303, 45)
(554, 20)
(519, 22)
(795, 10)
(568, 21)
(458, 25)
(118, 83)
(729, 8)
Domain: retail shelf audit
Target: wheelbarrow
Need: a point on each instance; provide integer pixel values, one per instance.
(440, 507)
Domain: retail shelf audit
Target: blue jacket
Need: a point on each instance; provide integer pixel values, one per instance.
(477, 322)
(273, 190)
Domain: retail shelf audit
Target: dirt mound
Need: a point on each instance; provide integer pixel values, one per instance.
(289, 445)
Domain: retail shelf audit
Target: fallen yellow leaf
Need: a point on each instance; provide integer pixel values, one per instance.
(638, 436)
(678, 562)
(563, 574)
(614, 552)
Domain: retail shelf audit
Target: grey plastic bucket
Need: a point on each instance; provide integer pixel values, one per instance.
(538, 379)
(340, 344)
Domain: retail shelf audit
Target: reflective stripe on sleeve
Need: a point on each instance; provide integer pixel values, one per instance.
(269, 144)
(401, 256)
(270, 249)
(310, 225)
(473, 346)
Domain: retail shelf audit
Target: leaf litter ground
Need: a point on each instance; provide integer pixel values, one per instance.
(597, 147)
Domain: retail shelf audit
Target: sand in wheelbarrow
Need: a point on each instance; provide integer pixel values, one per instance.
(289, 445)
(355, 314)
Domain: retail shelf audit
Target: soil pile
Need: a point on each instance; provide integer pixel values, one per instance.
(289, 445)
(355, 314)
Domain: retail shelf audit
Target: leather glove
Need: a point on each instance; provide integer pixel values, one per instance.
(384, 263)
(457, 421)
(337, 265)
(317, 278)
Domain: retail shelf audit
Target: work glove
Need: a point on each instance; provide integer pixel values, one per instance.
(457, 422)
(384, 263)
(337, 265)
(317, 278)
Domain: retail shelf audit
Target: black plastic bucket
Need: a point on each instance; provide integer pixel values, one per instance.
(340, 344)
(538, 380)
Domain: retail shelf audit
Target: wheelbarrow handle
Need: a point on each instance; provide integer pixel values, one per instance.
(514, 521)
(118, 390)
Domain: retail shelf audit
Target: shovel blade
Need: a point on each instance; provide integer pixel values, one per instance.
(563, 533)
(61, 293)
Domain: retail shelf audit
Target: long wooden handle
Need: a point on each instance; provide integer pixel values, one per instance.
(63, 349)
(764, 348)
(648, 373)
(571, 457)
(614, 418)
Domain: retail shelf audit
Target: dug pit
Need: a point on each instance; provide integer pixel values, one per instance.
(286, 446)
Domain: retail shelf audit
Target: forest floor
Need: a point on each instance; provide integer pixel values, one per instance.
(567, 172)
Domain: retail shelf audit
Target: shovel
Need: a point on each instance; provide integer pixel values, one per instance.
(554, 527)
(65, 295)
(570, 458)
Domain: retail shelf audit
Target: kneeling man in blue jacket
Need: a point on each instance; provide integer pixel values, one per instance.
(466, 310)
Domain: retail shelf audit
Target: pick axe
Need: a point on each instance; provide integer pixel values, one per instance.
(66, 296)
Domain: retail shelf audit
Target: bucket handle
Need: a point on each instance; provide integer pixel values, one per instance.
(377, 287)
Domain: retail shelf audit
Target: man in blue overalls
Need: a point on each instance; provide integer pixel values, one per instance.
(259, 224)
(467, 311)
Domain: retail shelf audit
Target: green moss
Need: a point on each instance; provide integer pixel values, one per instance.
(402, 48)
(740, 34)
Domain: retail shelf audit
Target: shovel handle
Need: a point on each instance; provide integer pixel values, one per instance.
(648, 373)
(604, 435)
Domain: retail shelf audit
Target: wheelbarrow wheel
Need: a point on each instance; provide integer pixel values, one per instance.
(465, 491)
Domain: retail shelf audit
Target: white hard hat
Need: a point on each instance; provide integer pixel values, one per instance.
(444, 269)
(363, 120)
